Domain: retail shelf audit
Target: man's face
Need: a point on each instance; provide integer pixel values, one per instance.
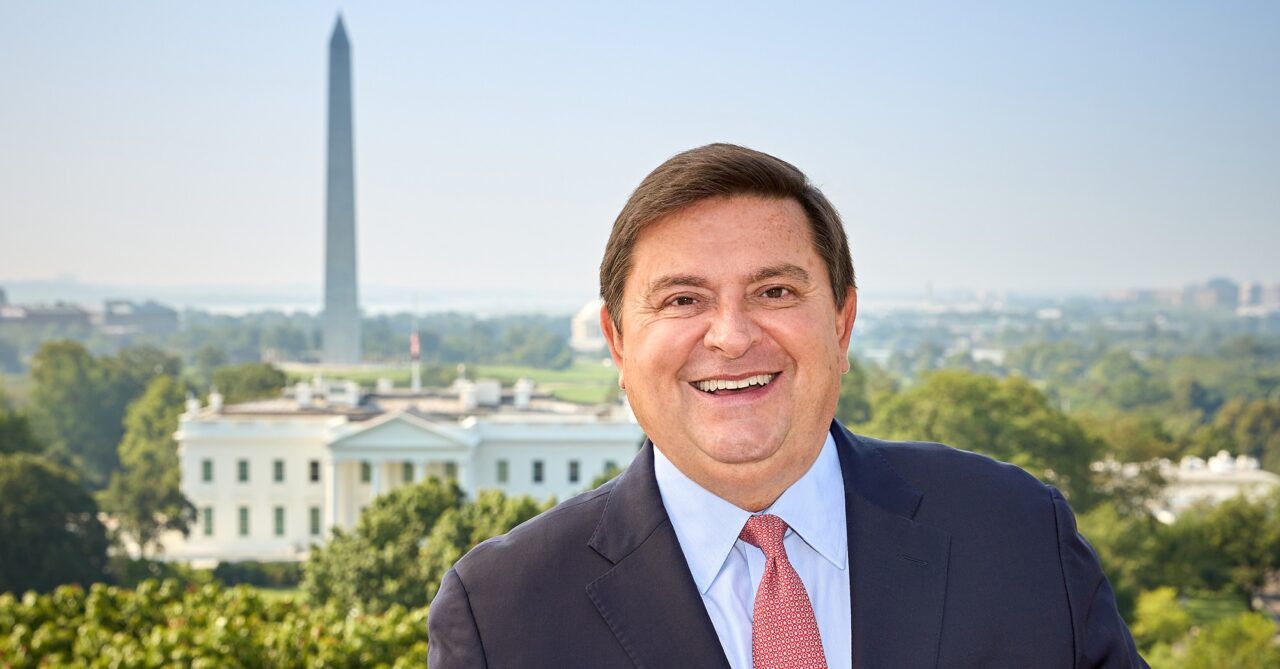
(731, 347)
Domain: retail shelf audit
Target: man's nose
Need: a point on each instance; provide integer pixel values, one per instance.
(732, 331)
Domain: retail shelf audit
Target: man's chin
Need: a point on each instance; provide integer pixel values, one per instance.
(740, 447)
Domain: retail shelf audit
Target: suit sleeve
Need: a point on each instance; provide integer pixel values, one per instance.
(1102, 639)
(453, 640)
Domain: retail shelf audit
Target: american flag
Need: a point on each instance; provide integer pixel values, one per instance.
(415, 352)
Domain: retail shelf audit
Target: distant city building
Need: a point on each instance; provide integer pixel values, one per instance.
(122, 317)
(1215, 293)
(341, 334)
(585, 336)
(270, 478)
(57, 316)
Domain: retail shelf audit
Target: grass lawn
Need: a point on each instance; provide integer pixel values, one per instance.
(1210, 607)
(281, 594)
(585, 382)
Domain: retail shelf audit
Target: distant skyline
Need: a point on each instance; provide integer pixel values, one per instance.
(982, 146)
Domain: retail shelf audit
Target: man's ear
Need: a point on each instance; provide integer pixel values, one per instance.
(613, 336)
(844, 324)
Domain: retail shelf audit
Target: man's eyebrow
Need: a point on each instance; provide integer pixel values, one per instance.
(784, 270)
(671, 280)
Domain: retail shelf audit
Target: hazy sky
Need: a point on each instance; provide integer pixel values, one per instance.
(1067, 145)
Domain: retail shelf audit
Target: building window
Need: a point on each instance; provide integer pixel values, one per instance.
(450, 470)
(315, 521)
(242, 471)
(315, 471)
(406, 471)
(277, 471)
(206, 470)
(279, 521)
(244, 521)
(537, 471)
(504, 471)
(366, 471)
(573, 471)
(610, 465)
(206, 519)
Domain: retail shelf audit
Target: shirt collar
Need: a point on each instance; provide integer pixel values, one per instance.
(707, 526)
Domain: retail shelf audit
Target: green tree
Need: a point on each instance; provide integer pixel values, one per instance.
(16, 435)
(1243, 642)
(1125, 544)
(377, 564)
(461, 529)
(1159, 618)
(78, 402)
(145, 495)
(854, 405)
(49, 529)
(1254, 428)
(1008, 419)
(248, 381)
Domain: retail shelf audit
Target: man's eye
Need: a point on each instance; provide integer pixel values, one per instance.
(776, 292)
(682, 301)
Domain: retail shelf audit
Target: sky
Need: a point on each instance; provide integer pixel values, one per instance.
(1027, 147)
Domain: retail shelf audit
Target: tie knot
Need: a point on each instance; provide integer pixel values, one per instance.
(765, 531)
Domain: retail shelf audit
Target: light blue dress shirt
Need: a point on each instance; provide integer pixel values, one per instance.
(727, 570)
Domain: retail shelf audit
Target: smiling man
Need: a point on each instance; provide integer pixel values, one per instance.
(752, 530)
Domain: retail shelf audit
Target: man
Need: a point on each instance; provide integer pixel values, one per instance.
(752, 530)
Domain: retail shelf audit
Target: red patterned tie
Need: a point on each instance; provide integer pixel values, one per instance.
(784, 633)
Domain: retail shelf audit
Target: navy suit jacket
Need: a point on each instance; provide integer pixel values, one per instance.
(957, 561)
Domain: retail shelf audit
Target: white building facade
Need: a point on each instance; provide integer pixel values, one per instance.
(270, 479)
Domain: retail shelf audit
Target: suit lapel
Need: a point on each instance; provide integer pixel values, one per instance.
(899, 567)
(649, 599)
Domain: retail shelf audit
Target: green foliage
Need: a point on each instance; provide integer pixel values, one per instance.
(404, 543)
(460, 529)
(378, 564)
(167, 624)
(16, 435)
(49, 529)
(145, 496)
(1159, 618)
(1125, 544)
(1254, 428)
(604, 477)
(260, 574)
(853, 407)
(248, 381)
(128, 572)
(78, 402)
(1245, 641)
(1008, 419)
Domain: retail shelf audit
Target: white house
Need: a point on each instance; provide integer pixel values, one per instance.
(270, 478)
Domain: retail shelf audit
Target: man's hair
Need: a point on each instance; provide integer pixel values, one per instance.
(721, 170)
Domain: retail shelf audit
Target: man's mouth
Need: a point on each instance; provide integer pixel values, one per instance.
(727, 386)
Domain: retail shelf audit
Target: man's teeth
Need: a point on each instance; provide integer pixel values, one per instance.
(712, 385)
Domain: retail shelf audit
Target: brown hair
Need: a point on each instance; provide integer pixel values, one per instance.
(721, 170)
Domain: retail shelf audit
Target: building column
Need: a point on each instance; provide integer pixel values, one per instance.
(419, 471)
(331, 499)
(464, 475)
(376, 478)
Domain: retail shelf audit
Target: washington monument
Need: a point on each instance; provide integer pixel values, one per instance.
(341, 309)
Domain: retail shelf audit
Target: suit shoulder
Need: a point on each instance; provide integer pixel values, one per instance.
(939, 469)
(542, 537)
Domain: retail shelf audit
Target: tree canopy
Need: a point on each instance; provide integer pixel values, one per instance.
(1007, 419)
(145, 495)
(49, 528)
